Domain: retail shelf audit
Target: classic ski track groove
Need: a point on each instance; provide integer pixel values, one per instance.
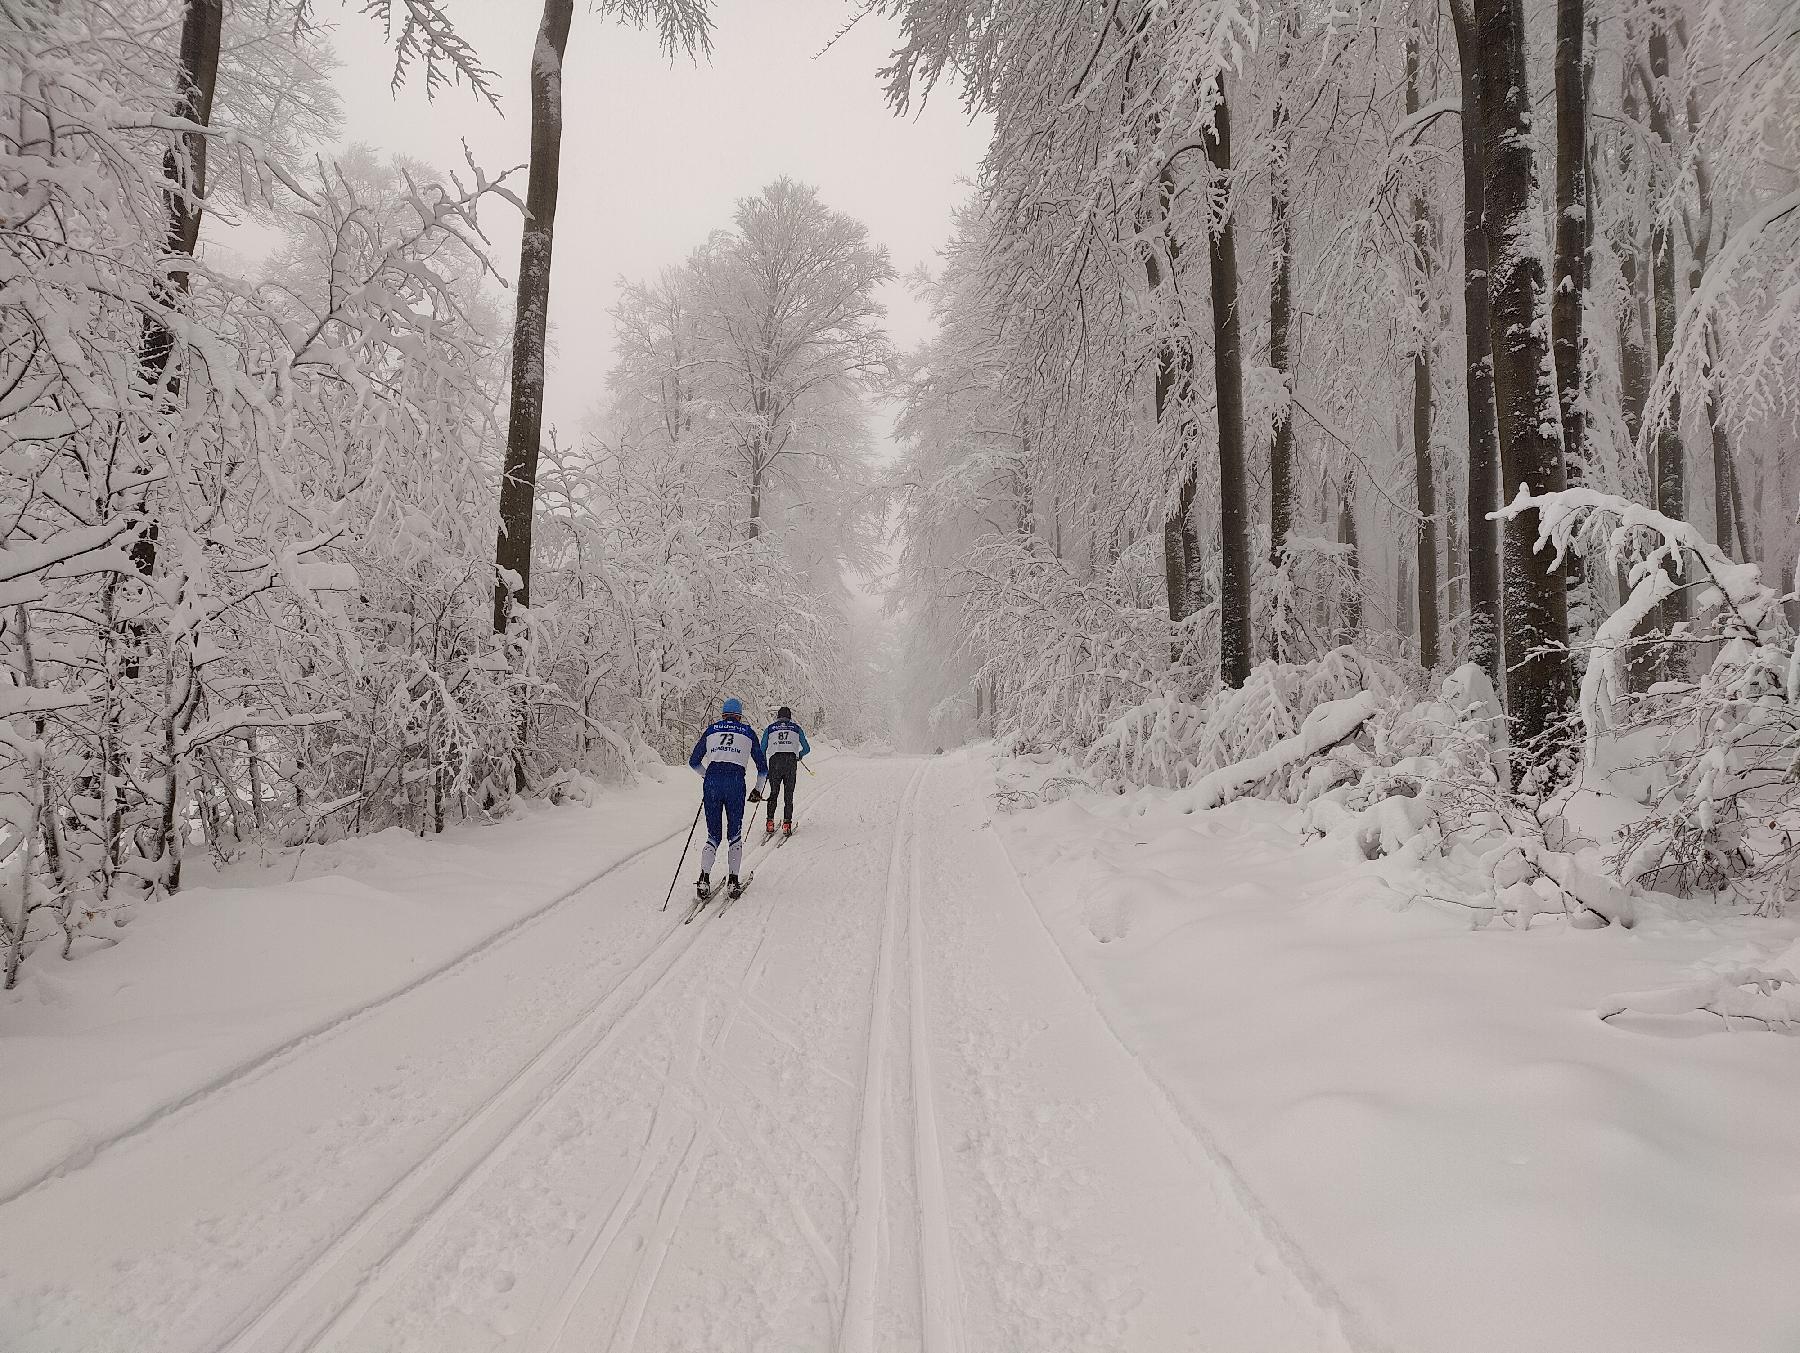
(1203, 1149)
(327, 1030)
(380, 1276)
(424, 1175)
(310, 1039)
(680, 1179)
(856, 1328)
(940, 1297)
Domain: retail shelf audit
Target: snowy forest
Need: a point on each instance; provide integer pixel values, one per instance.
(1259, 539)
(1388, 407)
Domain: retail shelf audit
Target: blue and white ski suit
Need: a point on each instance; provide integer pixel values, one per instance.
(723, 757)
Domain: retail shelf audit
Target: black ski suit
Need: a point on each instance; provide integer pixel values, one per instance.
(784, 770)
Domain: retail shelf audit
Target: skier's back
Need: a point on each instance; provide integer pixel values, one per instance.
(784, 744)
(723, 757)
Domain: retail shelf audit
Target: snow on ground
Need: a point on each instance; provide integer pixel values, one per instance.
(244, 966)
(869, 1107)
(1437, 1115)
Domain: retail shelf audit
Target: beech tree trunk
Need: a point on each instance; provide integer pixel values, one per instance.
(1346, 536)
(184, 173)
(525, 422)
(1228, 377)
(1482, 533)
(1281, 288)
(1569, 275)
(1636, 370)
(1700, 241)
(1671, 457)
(184, 165)
(1424, 483)
(1174, 386)
(1570, 271)
(1531, 449)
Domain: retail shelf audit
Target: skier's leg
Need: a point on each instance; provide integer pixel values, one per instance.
(734, 822)
(715, 812)
(788, 782)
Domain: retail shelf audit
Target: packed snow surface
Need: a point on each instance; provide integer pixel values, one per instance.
(442, 1097)
(1101, 1074)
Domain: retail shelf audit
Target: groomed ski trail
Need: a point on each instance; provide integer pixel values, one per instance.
(864, 1109)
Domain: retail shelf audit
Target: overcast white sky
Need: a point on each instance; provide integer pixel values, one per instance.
(654, 156)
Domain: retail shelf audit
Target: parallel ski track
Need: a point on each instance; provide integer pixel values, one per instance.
(940, 1304)
(457, 1163)
(940, 1297)
(325, 1031)
(1204, 1149)
(676, 1186)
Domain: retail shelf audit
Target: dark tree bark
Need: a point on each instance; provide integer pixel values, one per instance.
(184, 167)
(1424, 481)
(1531, 449)
(1346, 536)
(1569, 274)
(1570, 271)
(1636, 370)
(184, 173)
(1281, 288)
(1235, 647)
(1173, 391)
(1483, 533)
(525, 423)
(1671, 457)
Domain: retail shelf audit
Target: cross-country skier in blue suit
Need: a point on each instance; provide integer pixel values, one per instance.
(784, 746)
(723, 757)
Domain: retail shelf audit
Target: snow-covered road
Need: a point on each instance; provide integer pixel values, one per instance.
(867, 1108)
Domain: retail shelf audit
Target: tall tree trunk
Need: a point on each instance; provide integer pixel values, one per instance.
(1700, 241)
(1173, 391)
(525, 424)
(1424, 482)
(1483, 533)
(1281, 290)
(1228, 377)
(1671, 456)
(1569, 273)
(1346, 536)
(184, 176)
(1531, 450)
(1636, 371)
(1570, 270)
(184, 167)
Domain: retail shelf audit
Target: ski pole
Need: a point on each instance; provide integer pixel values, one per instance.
(683, 860)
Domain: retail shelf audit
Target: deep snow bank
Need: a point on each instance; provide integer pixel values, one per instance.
(1438, 1114)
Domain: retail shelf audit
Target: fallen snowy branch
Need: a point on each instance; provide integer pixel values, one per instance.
(1740, 993)
(1324, 728)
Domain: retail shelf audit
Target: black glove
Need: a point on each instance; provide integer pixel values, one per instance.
(756, 796)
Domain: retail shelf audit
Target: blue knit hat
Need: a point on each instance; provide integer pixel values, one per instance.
(733, 706)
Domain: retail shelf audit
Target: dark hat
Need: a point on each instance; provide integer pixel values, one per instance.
(784, 713)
